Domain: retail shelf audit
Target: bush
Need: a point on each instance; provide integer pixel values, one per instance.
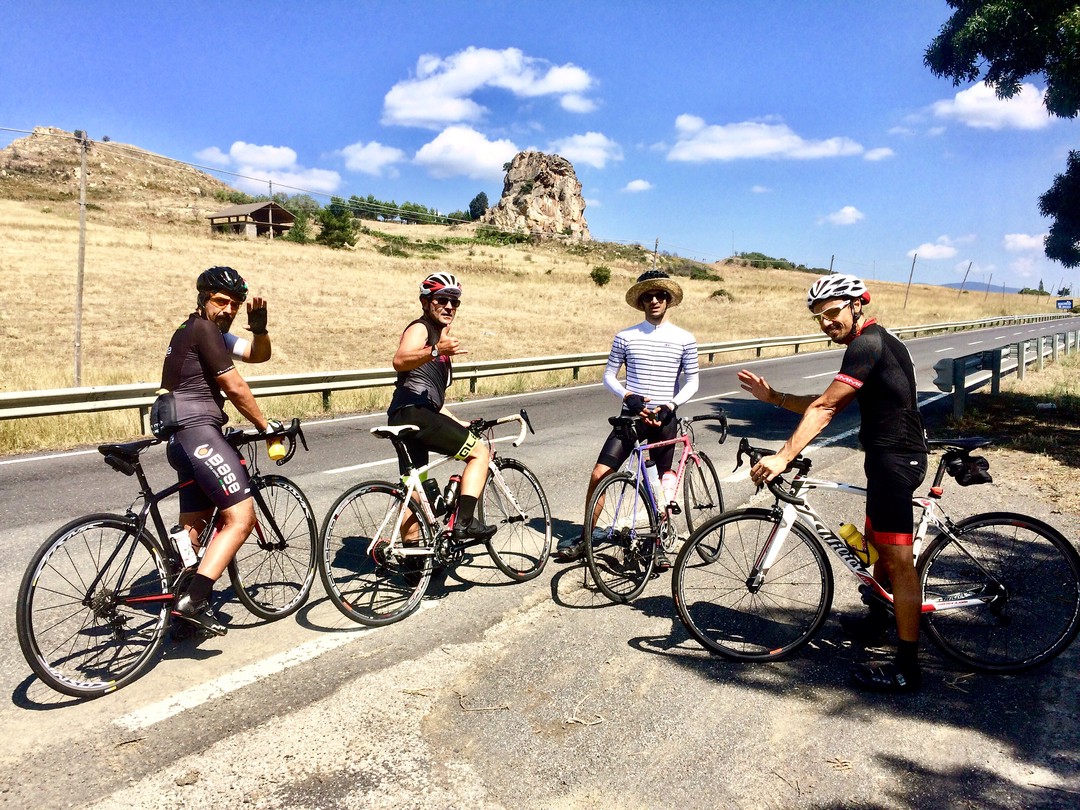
(722, 294)
(601, 275)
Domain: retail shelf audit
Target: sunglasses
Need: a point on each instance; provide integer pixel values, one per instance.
(649, 297)
(224, 302)
(444, 301)
(831, 314)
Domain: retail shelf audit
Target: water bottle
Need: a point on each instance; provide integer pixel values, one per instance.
(182, 540)
(450, 494)
(275, 448)
(434, 495)
(654, 481)
(668, 481)
(857, 543)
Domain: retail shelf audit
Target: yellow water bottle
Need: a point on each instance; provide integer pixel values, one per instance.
(275, 448)
(857, 543)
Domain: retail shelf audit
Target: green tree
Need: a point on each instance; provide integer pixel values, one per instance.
(1003, 42)
(337, 226)
(478, 206)
(300, 232)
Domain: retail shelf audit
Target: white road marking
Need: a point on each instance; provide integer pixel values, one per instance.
(823, 374)
(946, 349)
(46, 458)
(231, 681)
(976, 342)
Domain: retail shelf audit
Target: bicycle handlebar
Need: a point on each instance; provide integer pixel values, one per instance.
(628, 421)
(778, 486)
(238, 438)
(478, 426)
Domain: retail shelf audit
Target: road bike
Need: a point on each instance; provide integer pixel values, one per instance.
(627, 520)
(381, 540)
(95, 601)
(1001, 591)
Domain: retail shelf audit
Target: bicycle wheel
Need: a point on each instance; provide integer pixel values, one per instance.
(621, 549)
(368, 578)
(93, 605)
(1031, 576)
(720, 610)
(273, 571)
(515, 502)
(703, 499)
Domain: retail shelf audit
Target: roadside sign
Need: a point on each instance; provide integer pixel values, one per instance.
(1065, 303)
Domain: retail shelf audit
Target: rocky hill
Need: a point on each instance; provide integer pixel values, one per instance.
(125, 184)
(541, 195)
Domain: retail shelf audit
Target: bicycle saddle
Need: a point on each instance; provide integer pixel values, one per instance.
(395, 431)
(128, 451)
(968, 444)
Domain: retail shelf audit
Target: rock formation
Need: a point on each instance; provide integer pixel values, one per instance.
(541, 195)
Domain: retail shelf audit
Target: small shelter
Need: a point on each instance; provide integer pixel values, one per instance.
(252, 219)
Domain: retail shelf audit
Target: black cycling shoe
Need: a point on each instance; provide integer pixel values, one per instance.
(199, 614)
(886, 677)
(473, 530)
(663, 561)
(570, 549)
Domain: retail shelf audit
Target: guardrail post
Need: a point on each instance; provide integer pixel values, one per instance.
(1039, 353)
(796, 348)
(326, 400)
(995, 371)
(144, 419)
(472, 385)
(1053, 348)
(578, 368)
(1021, 359)
(959, 391)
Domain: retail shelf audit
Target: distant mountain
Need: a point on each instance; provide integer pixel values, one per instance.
(980, 286)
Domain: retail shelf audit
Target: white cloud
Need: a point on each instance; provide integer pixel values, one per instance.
(212, 155)
(761, 190)
(1022, 242)
(371, 158)
(880, 153)
(698, 142)
(592, 149)
(440, 92)
(635, 186)
(940, 249)
(1024, 267)
(592, 203)
(262, 157)
(979, 107)
(462, 151)
(848, 215)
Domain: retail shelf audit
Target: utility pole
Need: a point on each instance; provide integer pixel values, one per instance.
(962, 283)
(84, 147)
(988, 286)
(831, 259)
(655, 252)
(910, 276)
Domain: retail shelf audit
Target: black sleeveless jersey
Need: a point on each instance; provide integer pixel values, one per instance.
(426, 385)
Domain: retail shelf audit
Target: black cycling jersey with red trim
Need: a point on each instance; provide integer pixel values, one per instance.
(878, 366)
(424, 386)
(196, 357)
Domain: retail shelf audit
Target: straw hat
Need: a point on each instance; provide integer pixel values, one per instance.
(654, 280)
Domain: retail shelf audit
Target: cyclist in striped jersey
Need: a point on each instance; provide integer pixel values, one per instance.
(661, 374)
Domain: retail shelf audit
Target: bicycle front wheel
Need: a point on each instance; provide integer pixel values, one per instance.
(515, 503)
(93, 605)
(1029, 575)
(369, 574)
(621, 548)
(725, 613)
(273, 570)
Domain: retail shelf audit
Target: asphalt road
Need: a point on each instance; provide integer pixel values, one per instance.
(539, 694)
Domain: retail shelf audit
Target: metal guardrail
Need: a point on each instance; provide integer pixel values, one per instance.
(28, 404)
(962, 375)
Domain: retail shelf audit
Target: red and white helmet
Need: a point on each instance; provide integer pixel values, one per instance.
(837, 285)
(440, 284)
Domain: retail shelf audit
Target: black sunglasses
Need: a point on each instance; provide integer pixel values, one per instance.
(658, 295)
(444, 301)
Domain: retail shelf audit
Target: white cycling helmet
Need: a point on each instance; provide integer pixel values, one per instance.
(837, 285)
(440, 284)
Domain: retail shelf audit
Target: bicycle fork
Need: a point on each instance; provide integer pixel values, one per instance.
(771, 550)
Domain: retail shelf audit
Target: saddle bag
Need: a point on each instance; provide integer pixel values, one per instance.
(163, 422)
(969, 470)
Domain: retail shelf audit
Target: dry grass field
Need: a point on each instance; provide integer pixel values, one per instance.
(344, 309)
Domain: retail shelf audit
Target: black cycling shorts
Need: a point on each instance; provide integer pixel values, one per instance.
(220, 476)
(891, 480)
(618, 446)
(438, 432)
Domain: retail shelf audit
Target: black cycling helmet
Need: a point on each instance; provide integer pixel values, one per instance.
(222, 279)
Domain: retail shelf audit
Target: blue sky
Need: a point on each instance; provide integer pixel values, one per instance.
(804, 130)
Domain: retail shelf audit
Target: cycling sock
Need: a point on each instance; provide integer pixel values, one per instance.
(200, 588)
(466, 508)
(907, 656)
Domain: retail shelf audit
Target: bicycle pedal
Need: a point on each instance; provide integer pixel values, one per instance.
(674, 509)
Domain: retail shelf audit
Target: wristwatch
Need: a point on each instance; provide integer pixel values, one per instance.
(435, 350)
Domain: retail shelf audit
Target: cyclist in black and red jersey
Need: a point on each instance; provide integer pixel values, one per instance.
(877, 371)
(199, 372)
(424, 365)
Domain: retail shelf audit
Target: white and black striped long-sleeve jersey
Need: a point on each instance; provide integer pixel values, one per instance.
(661, 363)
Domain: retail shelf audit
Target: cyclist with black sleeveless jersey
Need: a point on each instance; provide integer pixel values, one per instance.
(424, 365)
(661, 374)
(877, 371)
(199, 371)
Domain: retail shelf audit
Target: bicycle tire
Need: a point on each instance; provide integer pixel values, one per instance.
(1034, 571)
(702, 499)
(365, 583)
(87, 645)
(620, 551)
(716, 606)
(518, 508)
(272, 572)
